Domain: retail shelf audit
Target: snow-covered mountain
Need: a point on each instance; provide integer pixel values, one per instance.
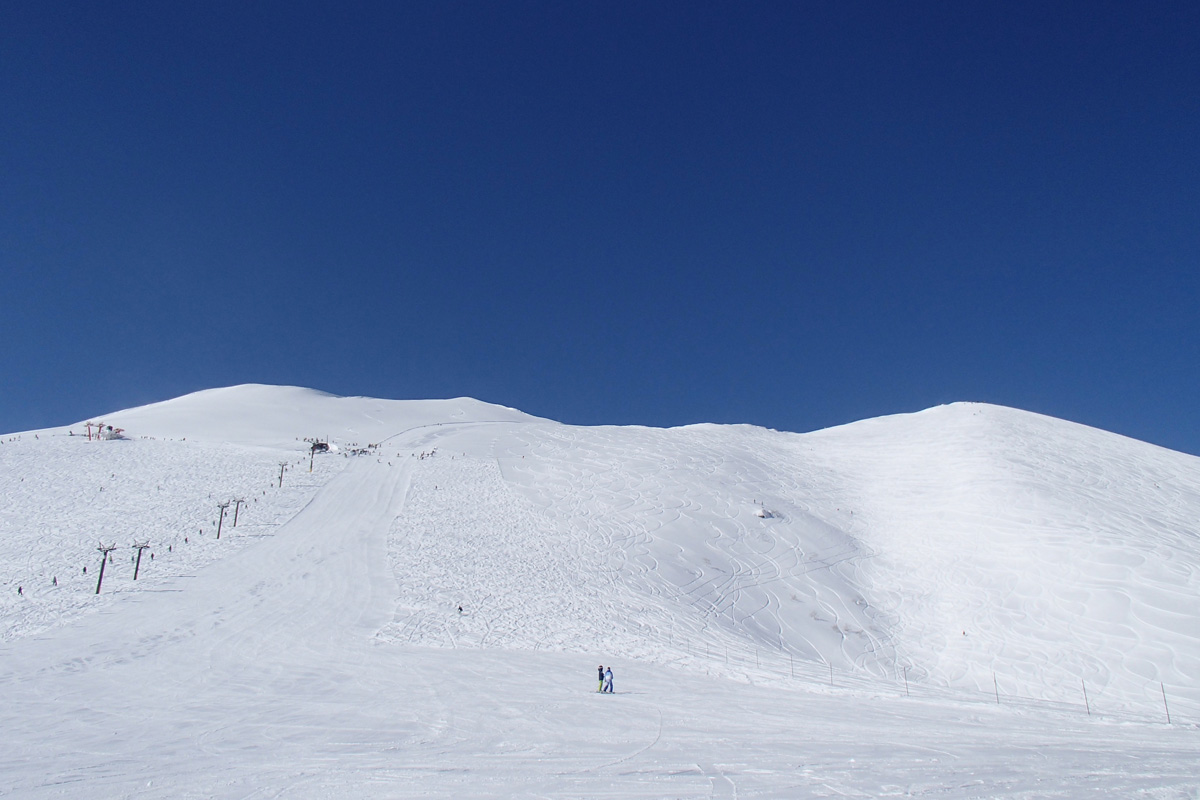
(275, 415)
(962, 550)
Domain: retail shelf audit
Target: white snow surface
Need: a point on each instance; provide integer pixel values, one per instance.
(909, 606)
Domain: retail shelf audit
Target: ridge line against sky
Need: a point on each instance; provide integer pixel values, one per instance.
(794, 215)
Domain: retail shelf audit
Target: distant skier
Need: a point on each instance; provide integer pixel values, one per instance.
(600, 673)
(608, 687)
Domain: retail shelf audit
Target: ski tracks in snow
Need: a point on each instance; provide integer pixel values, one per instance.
(676, 522)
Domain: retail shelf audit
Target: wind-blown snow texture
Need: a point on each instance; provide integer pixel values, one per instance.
(961, 576)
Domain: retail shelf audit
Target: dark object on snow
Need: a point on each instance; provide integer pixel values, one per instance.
(320, 447)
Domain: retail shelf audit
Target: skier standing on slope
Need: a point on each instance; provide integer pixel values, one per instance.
(600, 671)
(608, 680)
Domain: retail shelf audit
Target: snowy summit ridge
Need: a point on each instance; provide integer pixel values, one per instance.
(257, 413)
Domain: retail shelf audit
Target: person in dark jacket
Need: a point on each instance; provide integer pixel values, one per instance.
(600, 671)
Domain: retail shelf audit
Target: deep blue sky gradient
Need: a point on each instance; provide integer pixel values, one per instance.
(794, 215)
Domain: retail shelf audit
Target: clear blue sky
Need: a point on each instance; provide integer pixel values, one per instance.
(790, 214)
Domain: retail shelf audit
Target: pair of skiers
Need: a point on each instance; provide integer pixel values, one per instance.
(606, 679)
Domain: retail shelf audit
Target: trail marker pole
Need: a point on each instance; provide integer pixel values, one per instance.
(221, 520)
(139, 546)
(1086, 704)
(104, 551)
(1163, 689)
(311, 454)
(238, 503)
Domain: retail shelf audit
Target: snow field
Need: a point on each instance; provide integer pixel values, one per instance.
(464, 539)
(677, 521)
(1040, 552)
(326, 655)
(62, 495)
(742, 552)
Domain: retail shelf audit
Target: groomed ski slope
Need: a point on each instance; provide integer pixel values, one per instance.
(317, 648)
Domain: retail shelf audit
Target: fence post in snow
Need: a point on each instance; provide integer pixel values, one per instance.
(1163, 689)
(104, 551)
(1086, 704)
(139, 546)
(996, 685)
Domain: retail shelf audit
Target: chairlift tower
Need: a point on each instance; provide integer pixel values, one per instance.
(104, 549)
(139, 546)
(221, 519)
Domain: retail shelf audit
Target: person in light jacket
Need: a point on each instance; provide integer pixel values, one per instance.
(608, 680)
